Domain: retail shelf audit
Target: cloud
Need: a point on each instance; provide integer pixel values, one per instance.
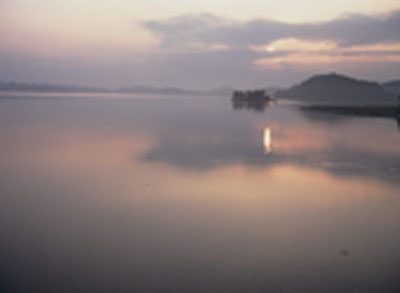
(311, 53)
(268, 44)
(205, 50)
(349, 30)
(306, 59)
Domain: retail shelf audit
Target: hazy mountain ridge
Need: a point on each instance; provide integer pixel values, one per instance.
(330, 88)
(141, 89)
(138, 89)
(339, 89)
(47, 87)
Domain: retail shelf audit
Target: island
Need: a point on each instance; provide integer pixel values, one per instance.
(256, 100)
(339, 90)
(339, 94)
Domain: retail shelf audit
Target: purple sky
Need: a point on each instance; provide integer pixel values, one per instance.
(203, 44)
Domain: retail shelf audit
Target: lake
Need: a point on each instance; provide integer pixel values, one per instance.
(191, 194)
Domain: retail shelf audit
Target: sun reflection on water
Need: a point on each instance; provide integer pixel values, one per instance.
(267, 140)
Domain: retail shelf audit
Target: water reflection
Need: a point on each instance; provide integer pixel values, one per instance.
(343, 148)
(178, 196)
(267, 140)
(332, 114)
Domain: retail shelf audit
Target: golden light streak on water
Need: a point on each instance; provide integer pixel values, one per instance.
(267, 140)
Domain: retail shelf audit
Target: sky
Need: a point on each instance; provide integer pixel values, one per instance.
(197, 44)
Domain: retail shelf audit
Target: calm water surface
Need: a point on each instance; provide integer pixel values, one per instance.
(192, 195)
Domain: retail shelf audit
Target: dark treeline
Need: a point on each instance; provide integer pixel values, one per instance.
(256, 100)
(248, 95)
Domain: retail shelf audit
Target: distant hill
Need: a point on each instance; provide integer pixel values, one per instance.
(392, 87)
(138, 89)
(338, 89)
(144, 89)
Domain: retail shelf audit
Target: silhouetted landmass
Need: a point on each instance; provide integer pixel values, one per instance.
(322, 89)
(254, 100)
(251, 96)
(335, 89)
(392, 87)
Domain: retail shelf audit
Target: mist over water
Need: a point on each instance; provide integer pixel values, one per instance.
(195, 195)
